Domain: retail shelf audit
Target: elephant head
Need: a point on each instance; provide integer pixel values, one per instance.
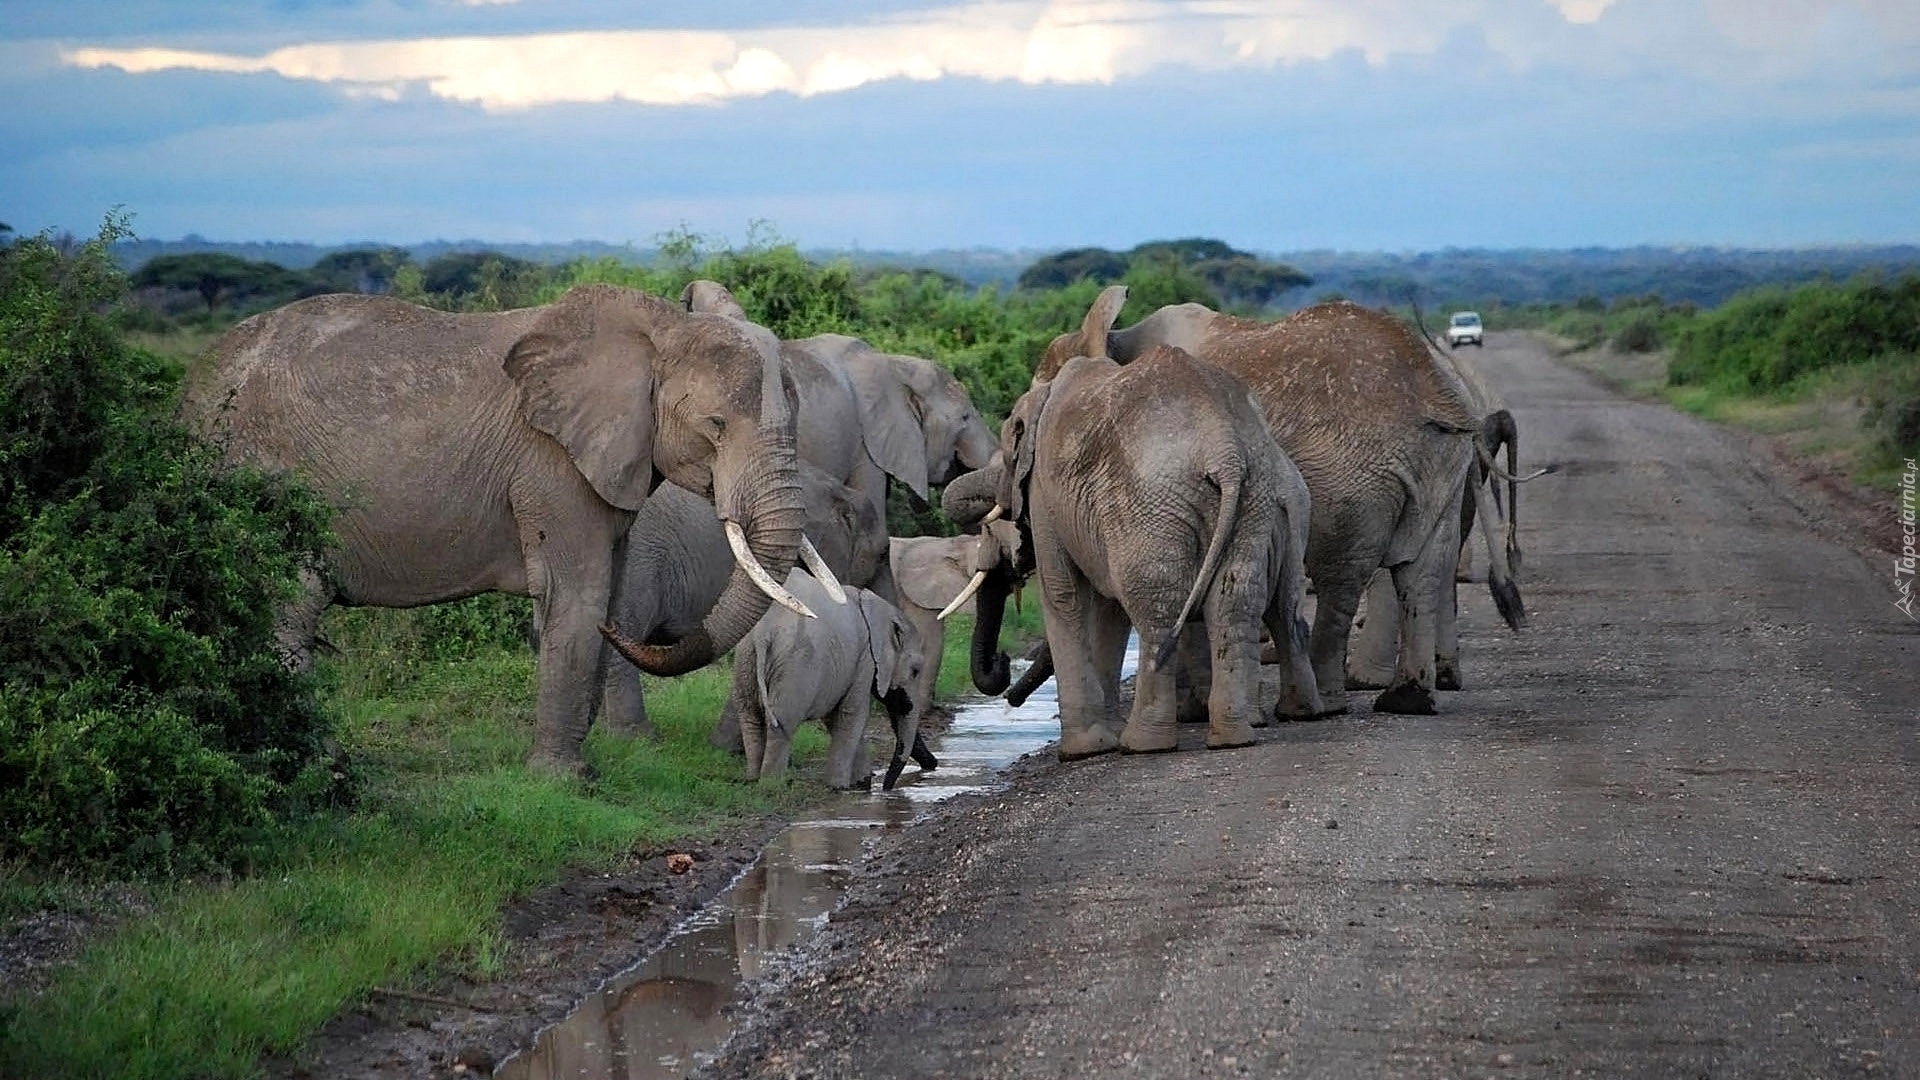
(899, 656)
(917, 423)
(1000, 562)
(716, 419)
(850, 532)
(921, 427)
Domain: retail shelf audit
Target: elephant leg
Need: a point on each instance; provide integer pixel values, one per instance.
(1192, 675)
(726, 734)
(749, 716)
(1375, 648)
(1416, 585)
(779, 744)
(1085, 709)
(1233, 630)
(933, 638)
(1337, 597)
(1153, 725)
(847, 736)
(1446, 656)
(570, 670)
(298, 623)
(623, 703)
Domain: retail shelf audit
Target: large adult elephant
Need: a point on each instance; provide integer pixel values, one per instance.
(1483, 510)
(678, 563)
(508, 451)
(1382, 432)
(1153, 494)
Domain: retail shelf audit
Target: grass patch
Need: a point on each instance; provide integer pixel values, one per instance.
(449, 828)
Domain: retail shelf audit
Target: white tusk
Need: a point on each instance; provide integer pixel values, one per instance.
(742, 554)
(966, 594)
(994, 514)
(817, 566)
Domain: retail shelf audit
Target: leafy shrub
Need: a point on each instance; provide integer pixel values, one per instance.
(1893, 407)
(147, 721)
(1764, 340)
(1641, 334)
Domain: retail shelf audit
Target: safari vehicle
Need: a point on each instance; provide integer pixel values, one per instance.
(1464, 327)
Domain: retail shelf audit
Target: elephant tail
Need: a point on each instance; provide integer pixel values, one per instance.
(1230, 481)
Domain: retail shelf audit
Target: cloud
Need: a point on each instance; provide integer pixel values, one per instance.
(1059, 41)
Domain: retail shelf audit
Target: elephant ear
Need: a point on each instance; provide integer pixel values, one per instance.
(711, 297)
(1019, 436)
(586, 377)
(883, 639)
(892, 419)
(930, 573)
(1100, 319)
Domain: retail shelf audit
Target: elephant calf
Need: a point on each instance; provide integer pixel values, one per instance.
(790, 669)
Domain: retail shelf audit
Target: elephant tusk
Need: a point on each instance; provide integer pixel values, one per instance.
(966, 594)
(742, 554)
(994, 514)
(817, 566)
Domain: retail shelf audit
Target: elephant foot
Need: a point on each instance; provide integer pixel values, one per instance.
(634, 729)
(1361, 682)
(1141, 738)
(565, 766)
(1308, 717)
(1446, 675)
(1229, 735)
(1087, 742)
(1407, 699)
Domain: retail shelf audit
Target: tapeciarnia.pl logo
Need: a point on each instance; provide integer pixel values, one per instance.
(1903, 567)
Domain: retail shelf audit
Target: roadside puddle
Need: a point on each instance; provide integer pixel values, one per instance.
(663, 1017)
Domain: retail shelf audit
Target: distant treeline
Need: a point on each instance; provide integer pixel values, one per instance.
(1703, 276)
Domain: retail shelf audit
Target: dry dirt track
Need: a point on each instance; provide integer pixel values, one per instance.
(1672, 830)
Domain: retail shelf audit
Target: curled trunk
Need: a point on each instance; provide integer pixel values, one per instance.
(767, 502)
(990, 667)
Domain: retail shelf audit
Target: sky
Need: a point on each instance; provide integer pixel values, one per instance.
(1275, 125)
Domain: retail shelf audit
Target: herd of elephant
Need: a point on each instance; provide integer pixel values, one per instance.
(658, 475)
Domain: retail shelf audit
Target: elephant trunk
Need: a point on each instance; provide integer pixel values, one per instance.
(971, 496)
(990, 667)
(765, 498)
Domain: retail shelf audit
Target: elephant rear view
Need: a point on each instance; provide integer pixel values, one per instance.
(1381, 430)
(468, 453)
(1154, 495)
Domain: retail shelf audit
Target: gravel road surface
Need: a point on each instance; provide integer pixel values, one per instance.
(1673, 829)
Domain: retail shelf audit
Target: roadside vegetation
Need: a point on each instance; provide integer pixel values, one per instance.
(1831, 366)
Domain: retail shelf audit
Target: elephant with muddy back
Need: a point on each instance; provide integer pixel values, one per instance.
(1152, 495)
(1381, 430)
(508, 452)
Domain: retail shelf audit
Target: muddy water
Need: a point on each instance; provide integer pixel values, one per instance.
(660, 1018)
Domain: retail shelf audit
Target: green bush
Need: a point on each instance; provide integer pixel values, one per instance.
(147, 722)
(1640, 334)
(1764, 340)
(1893, 408)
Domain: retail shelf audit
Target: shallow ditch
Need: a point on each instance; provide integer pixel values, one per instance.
(662, 1017)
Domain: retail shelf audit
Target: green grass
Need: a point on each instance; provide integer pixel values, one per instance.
(449, 829)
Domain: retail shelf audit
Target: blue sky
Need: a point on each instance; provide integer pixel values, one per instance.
(1277, 125)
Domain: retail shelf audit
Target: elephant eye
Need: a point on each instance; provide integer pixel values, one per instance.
(716, 424)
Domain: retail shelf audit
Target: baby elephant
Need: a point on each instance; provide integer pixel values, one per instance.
(790, 669)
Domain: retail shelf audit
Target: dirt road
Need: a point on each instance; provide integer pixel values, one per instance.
(1671, 830)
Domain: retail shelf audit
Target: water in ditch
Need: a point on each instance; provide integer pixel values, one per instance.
(661, 1017)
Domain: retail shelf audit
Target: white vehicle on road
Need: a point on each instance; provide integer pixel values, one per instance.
(1463, 328)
